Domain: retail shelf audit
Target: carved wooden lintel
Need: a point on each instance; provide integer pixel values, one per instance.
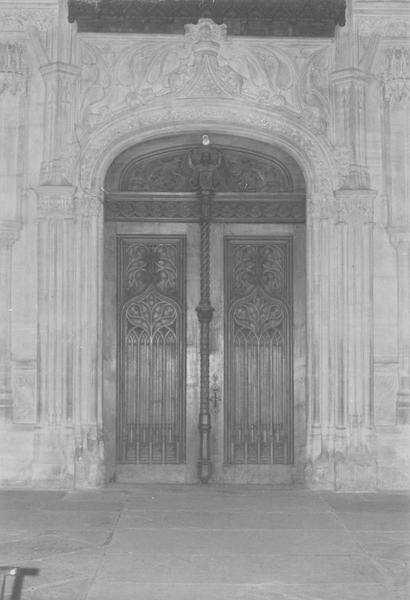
(310, 18)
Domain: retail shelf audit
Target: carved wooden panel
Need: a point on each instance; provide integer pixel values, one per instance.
(235, 171)
(151, 343)
(258, 351)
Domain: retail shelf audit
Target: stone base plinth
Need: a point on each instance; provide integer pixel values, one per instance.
(393, 458)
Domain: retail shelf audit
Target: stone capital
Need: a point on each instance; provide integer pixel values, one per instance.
(355, 206)
(9, 232)
(55, 202)
(400, 238)
(321, 206)
(89, 204)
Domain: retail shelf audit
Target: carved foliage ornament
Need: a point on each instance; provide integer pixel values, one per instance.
(204, 63)
(220, 170)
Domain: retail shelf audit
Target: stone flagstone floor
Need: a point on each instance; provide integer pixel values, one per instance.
(157, 542)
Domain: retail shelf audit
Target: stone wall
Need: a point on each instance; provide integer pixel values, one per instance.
(70, 103)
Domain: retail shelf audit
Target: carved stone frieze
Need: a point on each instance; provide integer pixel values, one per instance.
(241, 211)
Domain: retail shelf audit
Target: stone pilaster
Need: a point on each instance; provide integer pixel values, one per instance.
(60, 153)
(355, 465)
(340, 330)
(87, 339)
(68, 446)
(53, 446)
(400, 238)
(322, 380)
(9, 232)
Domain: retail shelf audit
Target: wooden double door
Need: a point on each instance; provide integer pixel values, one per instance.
(159, 350)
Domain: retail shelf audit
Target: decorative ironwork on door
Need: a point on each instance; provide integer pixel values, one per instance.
(151, 328)
(258, 351)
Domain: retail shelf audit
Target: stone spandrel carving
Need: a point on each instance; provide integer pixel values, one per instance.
(124, 74)
(232, 172)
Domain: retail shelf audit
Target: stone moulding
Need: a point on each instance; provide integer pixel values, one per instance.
(280, 18)
(314, 154)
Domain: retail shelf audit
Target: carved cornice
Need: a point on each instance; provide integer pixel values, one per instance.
(55, 203)
(9, 232)
(355, 206)
(308, 18)
(232, 211)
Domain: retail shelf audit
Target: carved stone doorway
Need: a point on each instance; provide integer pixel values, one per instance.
(204, 314)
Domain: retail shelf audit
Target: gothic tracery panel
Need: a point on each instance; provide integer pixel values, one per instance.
(151, 424)
(258, 345)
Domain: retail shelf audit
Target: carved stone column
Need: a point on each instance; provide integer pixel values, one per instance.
(355, 465)
(322, 359)
(400, 238)
(9, 232)
(60, 151)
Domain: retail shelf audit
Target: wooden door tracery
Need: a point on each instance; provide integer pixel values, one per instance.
(258, 310)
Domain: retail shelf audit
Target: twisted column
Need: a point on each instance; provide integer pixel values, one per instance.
(204, 312)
